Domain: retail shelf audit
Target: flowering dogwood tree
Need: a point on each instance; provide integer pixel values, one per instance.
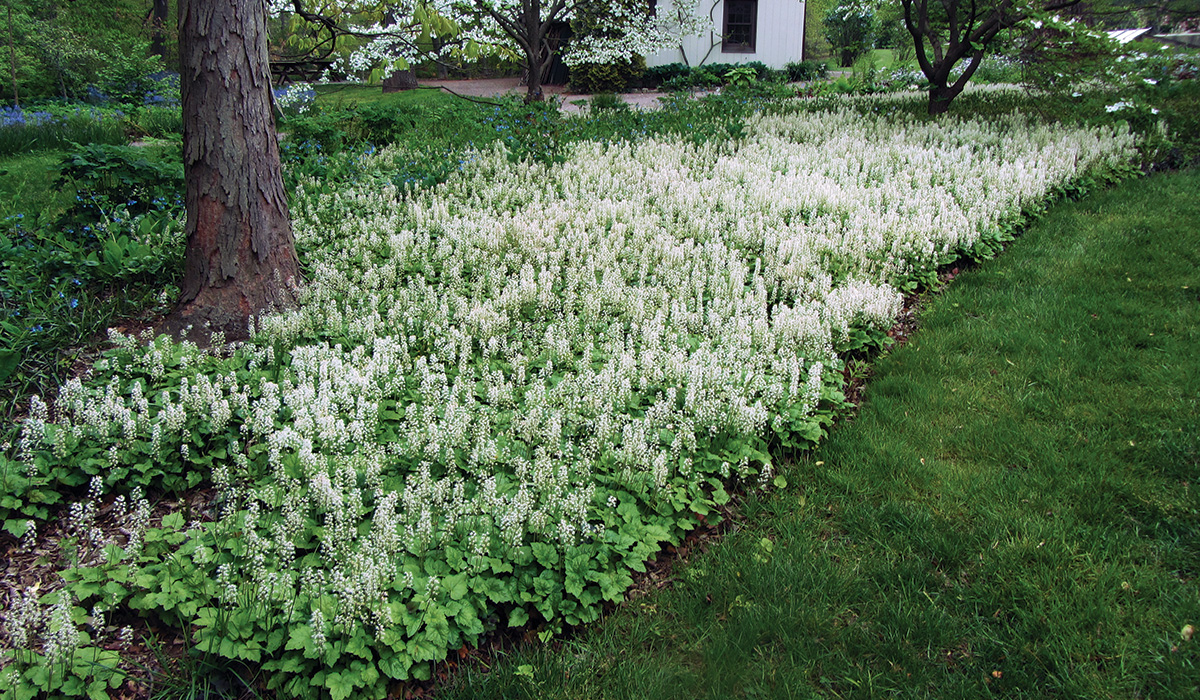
(399, 33)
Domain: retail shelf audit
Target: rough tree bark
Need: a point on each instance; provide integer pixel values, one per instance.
(240, 254)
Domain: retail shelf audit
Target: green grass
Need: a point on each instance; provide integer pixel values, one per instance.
(345, 95)
(60, 134)
(27, 184)
(882, 58)
(1012, 513)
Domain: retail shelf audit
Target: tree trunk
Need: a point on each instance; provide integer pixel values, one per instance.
(533, 89)
(940, 99)
(400, 80)
(531, 18)
(241, 258)
(158, 28)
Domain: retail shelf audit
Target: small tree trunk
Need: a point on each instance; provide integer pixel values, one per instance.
(400, 80)
(533, 89)
(240, 254)
(532, 20)
(940, 98)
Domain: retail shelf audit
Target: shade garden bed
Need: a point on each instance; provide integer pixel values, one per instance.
(503, 394)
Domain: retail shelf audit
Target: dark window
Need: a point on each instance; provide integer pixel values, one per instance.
(653, 8)
(741, 26)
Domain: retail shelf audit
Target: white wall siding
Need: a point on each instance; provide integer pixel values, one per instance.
(780, 38)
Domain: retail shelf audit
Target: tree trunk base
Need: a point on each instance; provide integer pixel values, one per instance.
(198, 324)
(226, 310)
(400, 80)
(940, 99)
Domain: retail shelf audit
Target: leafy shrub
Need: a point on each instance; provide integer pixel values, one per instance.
(761, 91)
(1181, 114)
(760, 70)
(64, 278)
(133, 77)
(742, 76)
(699, 78)
(804, 71)
(618, 76)
(657, 75)
(851, 29)
(773, 75)
(119, 181)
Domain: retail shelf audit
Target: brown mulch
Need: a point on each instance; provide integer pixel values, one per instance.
(38, 566)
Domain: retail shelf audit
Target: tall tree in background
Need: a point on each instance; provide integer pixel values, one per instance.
(159, 10)
(946, 32)
(850, 28)
(240, 254)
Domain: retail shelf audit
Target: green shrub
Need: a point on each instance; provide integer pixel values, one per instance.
(740, 77)
(697, 78)
(65, 276)
(806, 70)
(128, 77)
(657, 75)
(618, 76)
(119, 182)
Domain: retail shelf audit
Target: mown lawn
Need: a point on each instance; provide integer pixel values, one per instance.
(344, 95)
(1012, 513)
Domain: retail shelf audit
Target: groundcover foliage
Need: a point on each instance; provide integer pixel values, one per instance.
(503, 393)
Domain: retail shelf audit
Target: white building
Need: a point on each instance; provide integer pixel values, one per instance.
(771, 31)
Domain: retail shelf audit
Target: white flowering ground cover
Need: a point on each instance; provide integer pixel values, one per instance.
(501, 396)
